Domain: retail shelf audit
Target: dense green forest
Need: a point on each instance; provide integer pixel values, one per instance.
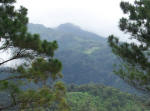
(90, 97)
(94, 97)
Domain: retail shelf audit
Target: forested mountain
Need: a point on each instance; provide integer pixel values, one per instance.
(86, 56)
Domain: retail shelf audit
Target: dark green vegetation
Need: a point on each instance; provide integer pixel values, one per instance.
(92, 97)
(86, 57)
(39, 65)
(136, 67)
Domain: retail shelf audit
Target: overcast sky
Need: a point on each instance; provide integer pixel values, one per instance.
(100, 16)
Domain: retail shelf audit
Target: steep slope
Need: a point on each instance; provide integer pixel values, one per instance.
(86, 57)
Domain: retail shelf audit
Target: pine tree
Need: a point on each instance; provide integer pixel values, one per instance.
(34, 84)
(135, 56)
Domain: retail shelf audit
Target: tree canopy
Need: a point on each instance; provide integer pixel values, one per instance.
(136, 64)
(96, 97)
(39, 66)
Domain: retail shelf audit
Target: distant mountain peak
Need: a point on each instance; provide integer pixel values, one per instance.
(68, 26)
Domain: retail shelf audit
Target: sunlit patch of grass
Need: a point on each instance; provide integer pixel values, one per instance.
(91, 50)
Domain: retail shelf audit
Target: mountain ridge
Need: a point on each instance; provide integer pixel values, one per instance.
(64, 27)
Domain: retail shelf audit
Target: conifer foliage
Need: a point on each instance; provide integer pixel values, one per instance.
(136, 66)
(40, 69)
